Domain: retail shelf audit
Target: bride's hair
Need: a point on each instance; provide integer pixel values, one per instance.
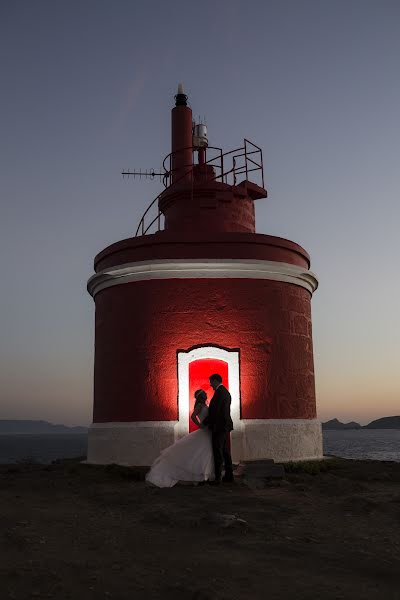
(200, 396)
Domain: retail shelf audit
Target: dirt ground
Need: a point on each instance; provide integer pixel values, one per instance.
(78, 531)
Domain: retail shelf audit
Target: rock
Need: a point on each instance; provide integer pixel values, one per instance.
(225, 520)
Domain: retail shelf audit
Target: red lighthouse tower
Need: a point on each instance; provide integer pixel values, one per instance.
(203, 294)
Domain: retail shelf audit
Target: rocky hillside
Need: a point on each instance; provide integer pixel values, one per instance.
(336, 424)
(385, 423)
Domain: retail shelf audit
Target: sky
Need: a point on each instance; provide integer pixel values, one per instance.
(86, 91)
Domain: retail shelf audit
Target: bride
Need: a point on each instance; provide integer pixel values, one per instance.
(190, 458)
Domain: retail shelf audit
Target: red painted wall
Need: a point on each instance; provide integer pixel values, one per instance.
(228, 245)
(210, 207)
(141, 325)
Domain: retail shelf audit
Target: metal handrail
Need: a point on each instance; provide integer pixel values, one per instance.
(219, 158)
(141, 222)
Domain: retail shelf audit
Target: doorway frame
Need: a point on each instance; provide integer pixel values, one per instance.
(184, 358)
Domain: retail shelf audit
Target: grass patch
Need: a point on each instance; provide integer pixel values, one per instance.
(312, 467)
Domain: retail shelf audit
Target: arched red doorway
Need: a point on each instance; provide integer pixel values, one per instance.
(199, 372)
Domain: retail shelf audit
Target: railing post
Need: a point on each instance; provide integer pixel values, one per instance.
(245, 159)
(262, 167)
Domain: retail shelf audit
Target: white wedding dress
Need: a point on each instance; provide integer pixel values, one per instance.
(189, 459)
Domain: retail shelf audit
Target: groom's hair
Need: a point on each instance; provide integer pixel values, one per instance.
(216, 377)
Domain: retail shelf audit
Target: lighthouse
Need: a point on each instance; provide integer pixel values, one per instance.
(197, 291)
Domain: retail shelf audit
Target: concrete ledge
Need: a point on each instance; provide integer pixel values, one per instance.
(250, 470)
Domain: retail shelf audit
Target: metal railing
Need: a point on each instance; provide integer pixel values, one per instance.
(248, 153)
(245, 160)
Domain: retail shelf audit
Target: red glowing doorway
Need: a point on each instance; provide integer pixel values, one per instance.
(199, 372)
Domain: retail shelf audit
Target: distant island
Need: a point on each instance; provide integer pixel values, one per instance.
(336, 424)
(19, 426)
(383, 423)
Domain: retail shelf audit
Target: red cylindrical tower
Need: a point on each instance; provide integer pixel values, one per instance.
(205, 294)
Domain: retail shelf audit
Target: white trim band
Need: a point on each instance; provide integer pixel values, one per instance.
(282, 440)
(131, 424)
(202, 269)
(131, 443)
(140, 443)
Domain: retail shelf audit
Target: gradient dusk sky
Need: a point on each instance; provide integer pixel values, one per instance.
(87, 88)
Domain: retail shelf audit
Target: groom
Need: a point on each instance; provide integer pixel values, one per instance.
(220, 422)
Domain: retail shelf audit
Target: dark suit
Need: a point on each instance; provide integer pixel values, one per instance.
(220, 422)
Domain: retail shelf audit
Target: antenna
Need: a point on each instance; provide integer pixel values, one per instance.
(146, 174)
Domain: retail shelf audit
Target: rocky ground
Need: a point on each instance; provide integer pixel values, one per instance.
(77, 531)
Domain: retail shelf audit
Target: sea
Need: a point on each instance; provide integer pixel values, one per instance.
(372, 444)
(41, 448)
(375, 444)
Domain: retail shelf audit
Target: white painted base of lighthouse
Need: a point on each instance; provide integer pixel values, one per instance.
(131, 443)
(139, 443)
(282, 439)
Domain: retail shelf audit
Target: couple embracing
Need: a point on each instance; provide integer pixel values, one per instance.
(200, 455)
